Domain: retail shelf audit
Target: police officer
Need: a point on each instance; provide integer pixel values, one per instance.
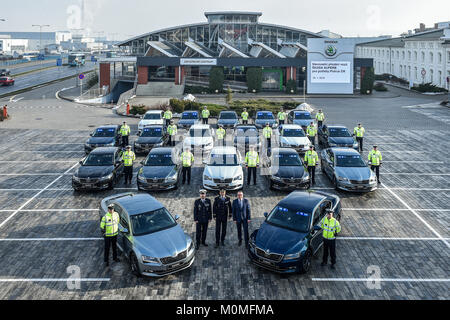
(124, 132)
(172, 131)
(202, 215)
(187, 159)
(244, 116)
(168, 116)
(251, 162)
(311, 132)
(320, 117)
(267, 133)
(311, 160)
(221, 133)
(375, 161)
(109, 227)
(205, 115)
(221, 212)
(128, 158)
(359, 133)
(330, 227)
(281, 116)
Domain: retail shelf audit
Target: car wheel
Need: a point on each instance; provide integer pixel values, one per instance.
(305, 262)
(134, 265)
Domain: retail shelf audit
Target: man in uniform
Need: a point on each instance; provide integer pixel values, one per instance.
(244, 116)
(375, 161)
(311, 159)
(205, 115)
(281, 116)
(220, 135)
(311, 132)
(168, 116)
(242, 217)
(124, 132)
(320, 117)
(172, 131)
(202, 215)
(221, 212)
(109, 226)
(359, 133)
(330, 227)
(187, 159)
(128, 158)
(267, 133)
(251, 162)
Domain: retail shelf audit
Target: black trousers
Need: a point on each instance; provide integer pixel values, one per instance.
(313, 140)
(110, 242)
(186, 171)
(319, 123)
(171, 141)
(242, 225)
(376, 169)
(124, 141)
(251, 171)
(329, 245)
(200, 232)
(360, 142)
(167, 122)
(128, 172)
(244, 121)
(312, 173)
(281, 121)
(205, 120)
(221, 230)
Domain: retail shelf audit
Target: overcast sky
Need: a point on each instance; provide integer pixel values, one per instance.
(134, 17)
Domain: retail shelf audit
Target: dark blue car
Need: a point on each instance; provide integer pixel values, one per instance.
(188, 119)
(104, 136)
(291, 233)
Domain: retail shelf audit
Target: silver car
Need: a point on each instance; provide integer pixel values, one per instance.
(149, 236)
(347, 170)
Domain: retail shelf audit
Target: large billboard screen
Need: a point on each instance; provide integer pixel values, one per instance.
(330, 72)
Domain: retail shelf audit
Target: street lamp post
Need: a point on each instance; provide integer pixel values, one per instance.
(40, 33)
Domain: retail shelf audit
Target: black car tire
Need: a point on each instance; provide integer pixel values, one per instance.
(305, 262)
(134, 265)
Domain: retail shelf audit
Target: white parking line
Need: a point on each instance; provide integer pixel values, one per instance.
(417, 215)
(37, 161)
(415, 173)
(46, 151)
(371, 280)
(33, 174)
(415, 161)
(56, 280)
(394, 209)
(48, 210)
(58, 143)
(389, 238)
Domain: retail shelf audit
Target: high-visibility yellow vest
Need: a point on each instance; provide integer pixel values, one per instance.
(125, 130)
(221, 133)
(330, 228)
(205, 113)
(252, 159)
(110, 223)
(359, 132)
(311, 131)
(375, 157)
(172, 129)
(281, 115)
(168, 114)
(311, 158)
(187, 158)
(244, 115)
(320, 116)
(128, 157)
(267, 132)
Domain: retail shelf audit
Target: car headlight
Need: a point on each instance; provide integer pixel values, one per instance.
(282, 144)
(141, 178)
(110, 144)
(206, 177)
(292, 256)
(147, 259)
(305, 176)
(191, 246)
(276, 178)
(332, 144)
(342, 179)
(208, 144)
(137, 144)
(108, 177)
(171, 178)
(355, 145)
(237, 178)
(373, 178)
(87, 145)
(75, 178)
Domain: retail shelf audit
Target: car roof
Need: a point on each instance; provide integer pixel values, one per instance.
(161, 150)
(304, 201)
(228, 111)
(345, 151)
(263, 111)
(138, 203)
(115, 126)
(291, 126)
(154, 126)
(337, 126)
(153, 111)
(190, 111)
(224, 150)
(105, 150)
(284, 151)
(300, 111)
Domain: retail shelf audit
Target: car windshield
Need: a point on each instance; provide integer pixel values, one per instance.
(302, 115)
(249, 132)
(264, 116)
(152, 116)
(293, 133)
(289, 219)
(339, 132)
(154, 160)
(189, 115)
(198, 133)
(284, 160)
(99, 159)
(151, 132)
(218, 159)
(228, 115)
(152, 221)
(349, 161)
(100, 132)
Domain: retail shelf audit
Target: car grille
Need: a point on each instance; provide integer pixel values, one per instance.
(276, 257)
(222, 180)
(155, 180)
(359, 181)
(88, 180)
(197, 147)
(146, 145)
(169, 260)
(345, 145)
(295, 180)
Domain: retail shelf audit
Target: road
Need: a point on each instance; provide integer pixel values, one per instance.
(42, 65)
(401, 230)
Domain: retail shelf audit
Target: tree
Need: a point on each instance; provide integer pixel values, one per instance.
(367, 81)
(216, 78)
(254, 79)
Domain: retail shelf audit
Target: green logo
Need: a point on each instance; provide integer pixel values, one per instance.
(330, 51)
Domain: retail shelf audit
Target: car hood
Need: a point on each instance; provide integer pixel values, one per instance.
(223, 172)
(149, 140)
(354, 173)
(246, 139)
(261, 121)
(302, 122)
(227, 121)
(187, 121)
(93, 171)
(276, 239)
(341, 140)
(157, 172)
(287, 171)
(101, 140)
(197, 141)
(295, 141)
(163, 243)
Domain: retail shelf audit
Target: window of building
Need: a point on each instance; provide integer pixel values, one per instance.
(403, 55)
(415, 55)
(439, 57)
(431, 75)
(431, 57)
(398, 55)
(409, 55)
(423, 56)
(440, 78)
(415, 73)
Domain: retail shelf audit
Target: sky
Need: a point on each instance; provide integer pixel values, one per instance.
(119, 19)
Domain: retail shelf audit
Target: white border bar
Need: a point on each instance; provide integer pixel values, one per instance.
(380, 280)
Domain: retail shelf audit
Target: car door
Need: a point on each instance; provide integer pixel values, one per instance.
(123, 238)
(329, 167)
(319, 213)
(118, 164)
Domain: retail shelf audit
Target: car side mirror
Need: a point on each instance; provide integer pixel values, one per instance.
(317, 228)
(123, 229)
(177, 217)
(205, 161)
(91, 134)
(266, 214)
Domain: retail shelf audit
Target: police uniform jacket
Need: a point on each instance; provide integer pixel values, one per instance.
(202, 211)
(222, 208)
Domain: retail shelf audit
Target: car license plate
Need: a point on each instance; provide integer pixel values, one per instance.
(89, 185)
(154, 185)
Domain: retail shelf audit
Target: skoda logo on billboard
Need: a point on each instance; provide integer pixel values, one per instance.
(330, 51)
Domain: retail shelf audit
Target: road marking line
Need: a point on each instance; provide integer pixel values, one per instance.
(51, 143)
(33, 174)
(417, 215)
(393, 209)
(57, 280)
(38, 161)
(34, 197)
(46, 151)
(388, 238)
(51, 239)
(48, 210)
(415, 161)
(380, 279)
(416, 173)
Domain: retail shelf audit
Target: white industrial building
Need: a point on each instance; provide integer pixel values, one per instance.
(418, 58)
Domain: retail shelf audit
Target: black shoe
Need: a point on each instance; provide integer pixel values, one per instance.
(107, 263)
(223, 243)
(332, 267)
(240, 243)
(117, 260)
(323, 264)
(246, 246)
(216, 246)
(197, 246)
(204, 244)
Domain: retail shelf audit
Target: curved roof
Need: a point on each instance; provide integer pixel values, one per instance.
(247, 13)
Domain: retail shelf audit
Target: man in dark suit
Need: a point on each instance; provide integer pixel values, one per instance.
(202, 215)
(221, 212)
(241, 215)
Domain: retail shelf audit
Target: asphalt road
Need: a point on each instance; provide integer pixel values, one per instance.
(44, 64)
(402, 229)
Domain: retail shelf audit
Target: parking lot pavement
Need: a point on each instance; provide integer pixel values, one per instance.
(48, 232)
